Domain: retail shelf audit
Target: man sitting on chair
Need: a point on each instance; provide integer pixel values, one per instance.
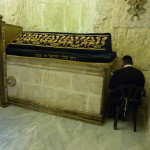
(128, 75)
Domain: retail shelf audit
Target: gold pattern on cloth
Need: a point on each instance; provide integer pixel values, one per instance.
(63, 40)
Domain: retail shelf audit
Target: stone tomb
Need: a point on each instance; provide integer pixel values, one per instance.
(61, 87)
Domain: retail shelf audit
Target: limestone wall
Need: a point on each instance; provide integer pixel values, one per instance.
(50, 15)
(128, 37)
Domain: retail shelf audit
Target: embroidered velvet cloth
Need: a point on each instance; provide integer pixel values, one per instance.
(69, 46)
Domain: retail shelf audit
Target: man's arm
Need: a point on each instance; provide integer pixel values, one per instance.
(112, 82)
(142, 80)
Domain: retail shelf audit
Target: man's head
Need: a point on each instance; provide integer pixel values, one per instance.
(127, 60)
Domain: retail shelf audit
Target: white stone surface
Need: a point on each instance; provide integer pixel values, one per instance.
(22, 129)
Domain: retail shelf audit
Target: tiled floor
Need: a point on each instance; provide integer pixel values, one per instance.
(22, 129)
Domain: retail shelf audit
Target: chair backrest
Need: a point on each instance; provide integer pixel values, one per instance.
(129, 91)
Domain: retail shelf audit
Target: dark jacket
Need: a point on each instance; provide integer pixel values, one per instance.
(126, 76)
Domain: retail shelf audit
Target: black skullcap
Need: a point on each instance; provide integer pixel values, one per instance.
(127, 57)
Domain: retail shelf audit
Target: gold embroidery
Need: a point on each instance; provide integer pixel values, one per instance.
(72, 58)
(93, 41)
(103, 41)
(38, 55)
(65, 57)
(53, 56)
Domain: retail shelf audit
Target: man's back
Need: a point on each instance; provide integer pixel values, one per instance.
(126, 76)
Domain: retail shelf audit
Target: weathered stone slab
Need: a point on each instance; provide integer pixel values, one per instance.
(72, 89)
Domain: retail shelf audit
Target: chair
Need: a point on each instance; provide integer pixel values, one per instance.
(126, 97)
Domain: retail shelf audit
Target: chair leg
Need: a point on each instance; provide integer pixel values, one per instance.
(117, 111)
(135, 117)
(111, 113)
